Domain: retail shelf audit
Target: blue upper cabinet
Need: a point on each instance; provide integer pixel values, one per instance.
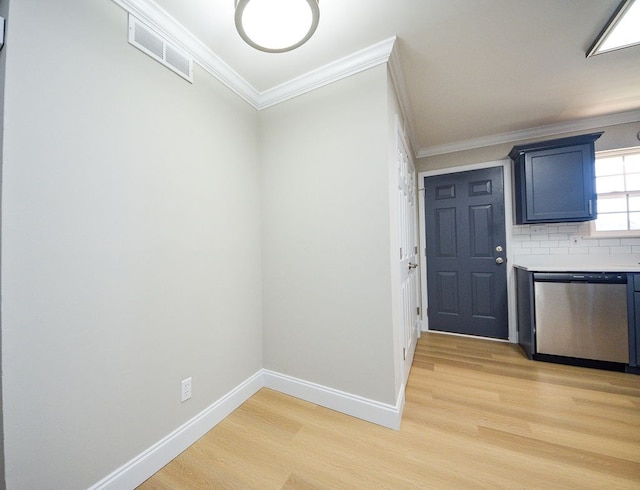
(555, 180)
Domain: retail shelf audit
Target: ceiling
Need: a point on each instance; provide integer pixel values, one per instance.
(472, 68)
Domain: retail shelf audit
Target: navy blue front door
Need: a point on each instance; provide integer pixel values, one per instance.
(466, 253)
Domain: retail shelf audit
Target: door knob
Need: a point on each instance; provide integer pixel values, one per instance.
(499, 260)
(499, 248)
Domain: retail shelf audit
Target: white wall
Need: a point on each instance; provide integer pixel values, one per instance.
(130, 245)
(4, 12)
(326, 248)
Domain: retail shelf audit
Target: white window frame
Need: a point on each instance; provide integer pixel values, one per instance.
(615, 233)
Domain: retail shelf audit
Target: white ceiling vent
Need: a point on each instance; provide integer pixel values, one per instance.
(150, 42)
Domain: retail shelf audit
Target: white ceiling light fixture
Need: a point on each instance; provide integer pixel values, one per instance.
(622, 30)
(276, 26)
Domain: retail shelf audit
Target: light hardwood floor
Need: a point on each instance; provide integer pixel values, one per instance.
(478, 414)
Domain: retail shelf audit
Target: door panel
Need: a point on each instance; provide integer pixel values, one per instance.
(446, 232)
(480, 222)
(408, 239)
(482, 294)
(466, 287)
(448, 293)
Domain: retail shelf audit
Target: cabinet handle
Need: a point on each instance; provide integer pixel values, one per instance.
(590, 206)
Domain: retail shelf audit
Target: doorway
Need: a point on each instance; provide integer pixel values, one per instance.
(466, 253)
(408, 258)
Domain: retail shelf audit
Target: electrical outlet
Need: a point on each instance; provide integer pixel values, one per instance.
(576, 240)
(186, 389)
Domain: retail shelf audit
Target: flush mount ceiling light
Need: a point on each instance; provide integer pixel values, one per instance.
(276, 26)
(621, 31)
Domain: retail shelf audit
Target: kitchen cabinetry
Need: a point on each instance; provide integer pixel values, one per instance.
(633, 302)
(524, 295)
(555, 180)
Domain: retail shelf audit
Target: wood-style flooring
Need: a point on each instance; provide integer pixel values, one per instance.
(478, 414)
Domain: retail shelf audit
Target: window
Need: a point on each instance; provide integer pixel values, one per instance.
(618, 189)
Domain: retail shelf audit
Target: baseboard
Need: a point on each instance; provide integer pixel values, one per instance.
(153, 459)
(136, 471)
(347, 403)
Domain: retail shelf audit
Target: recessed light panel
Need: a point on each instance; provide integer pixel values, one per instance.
(622, 30)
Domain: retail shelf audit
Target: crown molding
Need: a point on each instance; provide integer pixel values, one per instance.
(162, 22)
(400, 86)
(537, 132)
(357, 62)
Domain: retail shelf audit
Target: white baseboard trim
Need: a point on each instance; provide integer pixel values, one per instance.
(153, 459)
(347, 403)
(140, 468)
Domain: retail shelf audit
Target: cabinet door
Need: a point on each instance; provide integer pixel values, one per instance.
(525, 309)
(560, 184)
(634, 323)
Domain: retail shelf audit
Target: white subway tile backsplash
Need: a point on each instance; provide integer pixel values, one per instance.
(609, 242)
(540, 251)
(621, 250)
(567, 239)
(630, 241)
(549, 243)
(571, 228)
(599, 251)
(578, 251)
(595, 244)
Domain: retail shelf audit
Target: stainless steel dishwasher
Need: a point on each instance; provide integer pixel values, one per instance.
(582, 315)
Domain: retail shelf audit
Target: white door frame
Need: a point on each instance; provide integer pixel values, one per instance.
(508, 224)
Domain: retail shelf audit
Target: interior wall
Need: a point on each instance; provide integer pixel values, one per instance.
(131, 245)
(326, 255)
(4, 12)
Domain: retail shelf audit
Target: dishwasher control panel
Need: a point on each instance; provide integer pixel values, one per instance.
(593, 277)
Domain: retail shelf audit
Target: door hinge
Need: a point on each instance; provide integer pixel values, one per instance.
(418, 310)
(404, 353)
(401, 252)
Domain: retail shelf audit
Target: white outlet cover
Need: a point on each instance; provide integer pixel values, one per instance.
(185, 392)
(576, 240)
